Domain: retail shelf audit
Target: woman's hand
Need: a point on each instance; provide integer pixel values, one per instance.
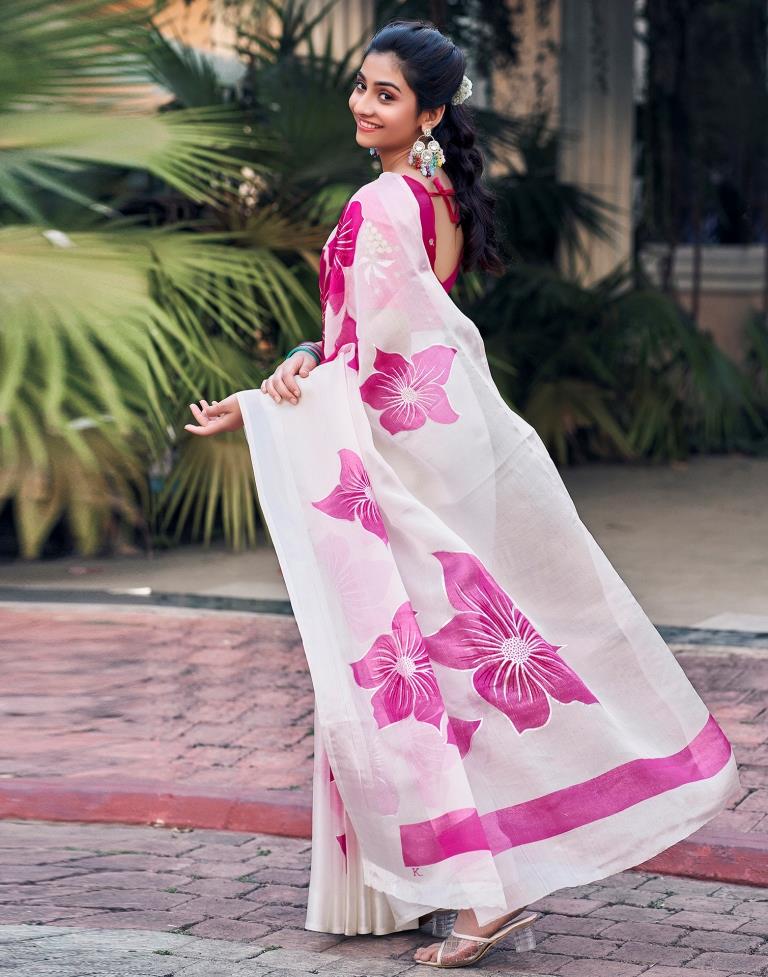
(221, 415)
(225, 415)
(282, 383)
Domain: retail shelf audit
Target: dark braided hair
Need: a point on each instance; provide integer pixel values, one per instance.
(433, 66)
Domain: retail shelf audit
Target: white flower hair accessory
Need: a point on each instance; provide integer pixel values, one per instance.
(462, 92)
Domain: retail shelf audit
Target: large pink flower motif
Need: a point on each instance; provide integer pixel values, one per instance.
(515, 669)
(398, 667)
(353, 497)
(338, 254)
(410, 391)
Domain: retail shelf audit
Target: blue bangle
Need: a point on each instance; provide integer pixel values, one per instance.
(304, 349)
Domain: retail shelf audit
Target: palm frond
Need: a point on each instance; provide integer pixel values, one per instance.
(60, 53)
(182, 70)
(211, 483)
(190, 149)
(88, 495)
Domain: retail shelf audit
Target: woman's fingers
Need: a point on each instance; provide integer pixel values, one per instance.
(282, 384)
(285, 391)
(285, 384)
(206, 427)
(218, 408)
(270, 388)
(200, 415)
(279, 385)
(289, 376)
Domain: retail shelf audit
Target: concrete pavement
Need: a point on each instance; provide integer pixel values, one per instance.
(690, 540)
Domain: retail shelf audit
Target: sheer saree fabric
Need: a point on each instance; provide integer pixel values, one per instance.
(495, 714)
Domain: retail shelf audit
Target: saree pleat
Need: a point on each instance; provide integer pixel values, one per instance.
(339, 901)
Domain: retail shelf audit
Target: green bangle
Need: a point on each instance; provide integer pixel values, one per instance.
(304, 349)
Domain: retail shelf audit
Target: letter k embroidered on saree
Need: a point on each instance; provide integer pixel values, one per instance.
(501, 717)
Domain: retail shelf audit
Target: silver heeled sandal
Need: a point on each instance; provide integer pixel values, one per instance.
(520, 927)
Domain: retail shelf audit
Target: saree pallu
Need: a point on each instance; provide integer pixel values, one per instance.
(496, 716)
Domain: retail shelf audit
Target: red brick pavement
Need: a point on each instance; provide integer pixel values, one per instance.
(206, 717)
(253, 888)
(117, 714)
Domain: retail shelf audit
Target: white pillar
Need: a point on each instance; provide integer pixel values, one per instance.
(349, 22)
(596, 121)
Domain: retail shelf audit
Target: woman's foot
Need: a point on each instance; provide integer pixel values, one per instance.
(466, 922)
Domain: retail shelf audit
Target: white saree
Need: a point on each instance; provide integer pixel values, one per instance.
(496, 716)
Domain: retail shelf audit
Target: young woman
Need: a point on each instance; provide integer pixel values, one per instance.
(496, 717)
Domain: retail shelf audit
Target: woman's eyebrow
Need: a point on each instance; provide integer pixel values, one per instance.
(388, 84)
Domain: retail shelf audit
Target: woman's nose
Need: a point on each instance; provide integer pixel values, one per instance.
(364, 105)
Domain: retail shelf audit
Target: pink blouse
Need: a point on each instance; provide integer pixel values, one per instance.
(428, 219)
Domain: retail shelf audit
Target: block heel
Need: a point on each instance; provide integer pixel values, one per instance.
(440, 922)
(524, 939)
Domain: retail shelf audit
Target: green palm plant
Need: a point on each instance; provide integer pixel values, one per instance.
(612, 370)
(109, 326)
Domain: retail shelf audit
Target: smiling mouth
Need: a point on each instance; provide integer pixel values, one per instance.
(367, 126)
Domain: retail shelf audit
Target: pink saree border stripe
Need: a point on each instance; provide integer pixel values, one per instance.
(457, 832)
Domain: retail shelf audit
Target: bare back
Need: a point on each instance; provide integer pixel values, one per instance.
(449, 236)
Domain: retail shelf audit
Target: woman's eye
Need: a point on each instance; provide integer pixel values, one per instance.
(389, 97)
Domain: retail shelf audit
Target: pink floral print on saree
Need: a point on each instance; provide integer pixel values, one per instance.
(513, 667)
(408, 392)
(398, 667)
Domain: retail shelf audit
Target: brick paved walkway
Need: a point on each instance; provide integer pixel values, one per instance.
(217, 699)
(79, 900)
(204, 719)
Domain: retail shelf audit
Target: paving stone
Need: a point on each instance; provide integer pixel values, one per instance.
(707, 921)
(596, 930)
(577, 946)
(608, 968)
(579, 925)
(701, 904)
(567, 906)
(294, 959)
(733, 962)
(229, 929)
(634, 951)
(726, 942)
(643, 914)
(661, 971)
(122, 719)
(645, 932)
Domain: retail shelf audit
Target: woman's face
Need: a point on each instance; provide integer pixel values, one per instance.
(381, 96)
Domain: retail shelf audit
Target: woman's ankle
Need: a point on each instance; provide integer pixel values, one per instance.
(466, 922)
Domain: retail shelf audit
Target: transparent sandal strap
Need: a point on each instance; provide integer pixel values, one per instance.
(476, 939)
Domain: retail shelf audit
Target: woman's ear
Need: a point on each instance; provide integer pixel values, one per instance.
(432, 116)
